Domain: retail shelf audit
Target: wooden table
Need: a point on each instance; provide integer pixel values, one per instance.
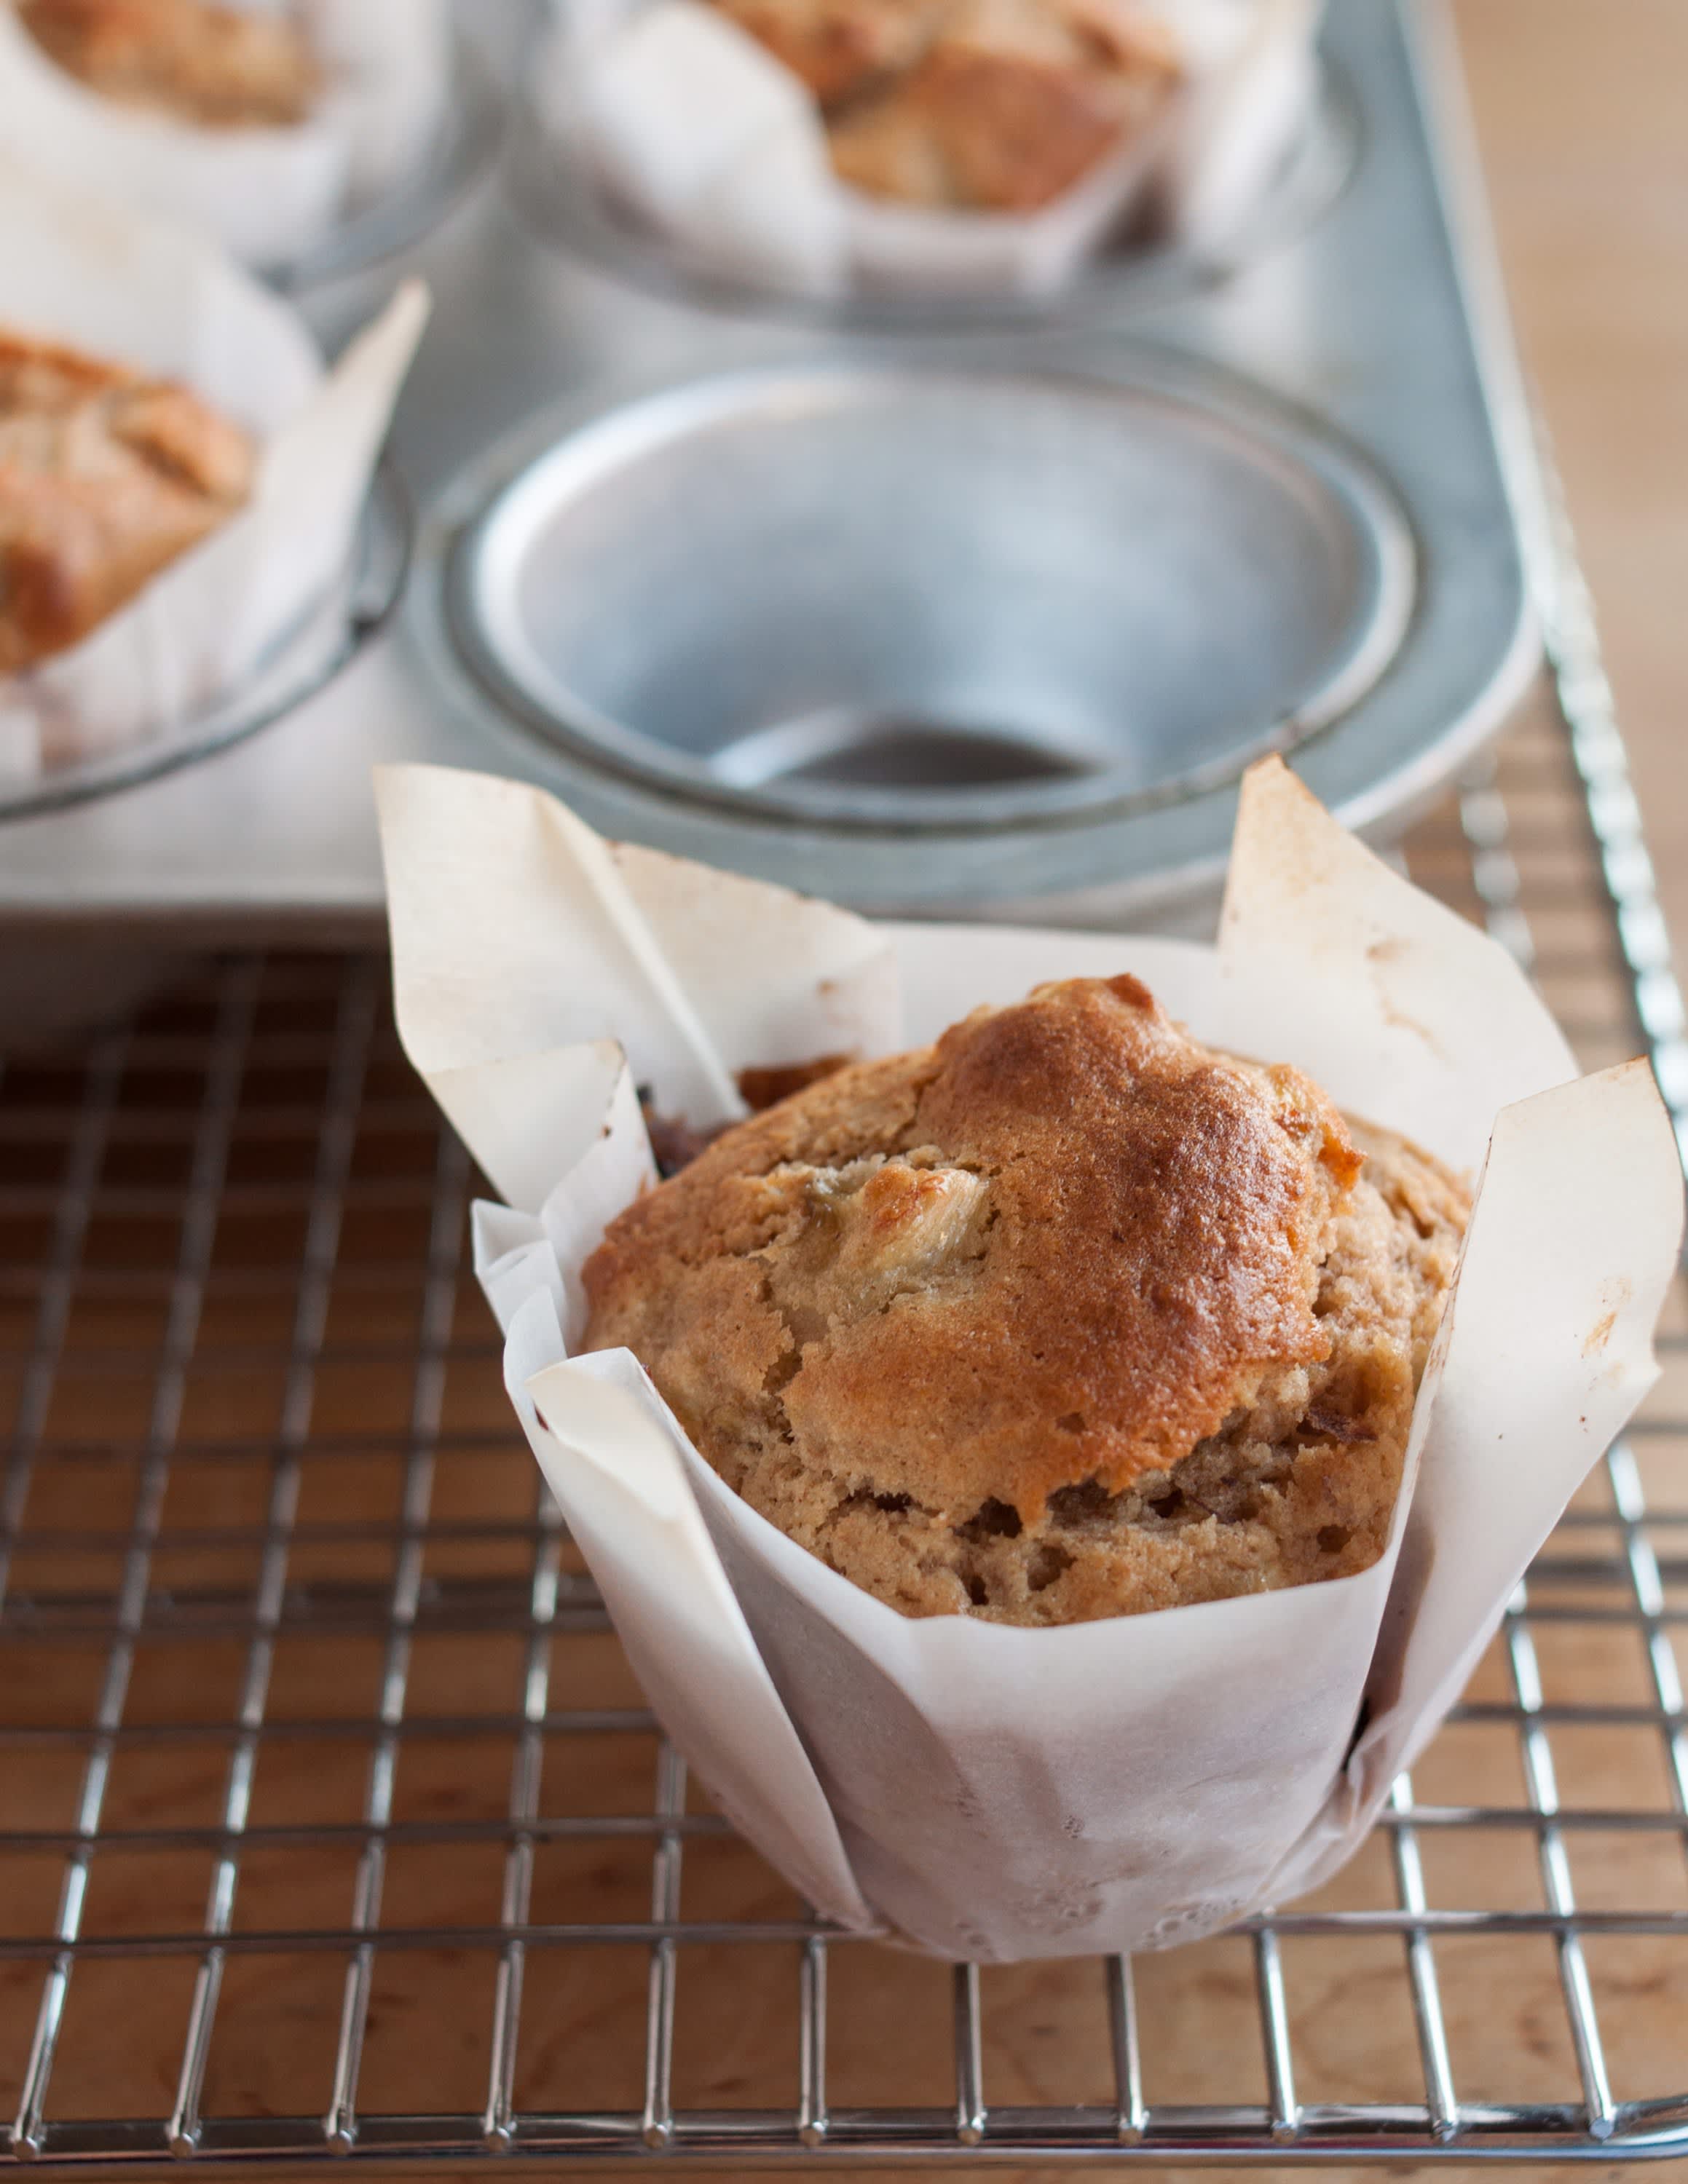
(1582, 118)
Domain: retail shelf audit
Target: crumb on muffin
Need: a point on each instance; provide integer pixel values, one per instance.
(1067, 1316)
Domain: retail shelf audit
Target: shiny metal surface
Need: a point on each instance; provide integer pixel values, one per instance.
(1357, 326)
(878, 594)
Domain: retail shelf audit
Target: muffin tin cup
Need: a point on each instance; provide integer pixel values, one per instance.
(963, 796)
(258, 614)
(887, 596)
(266, 194)
(989, 1792)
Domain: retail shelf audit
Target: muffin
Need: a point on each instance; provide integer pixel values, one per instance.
(105, 478)
(840, 49)
(216, 67)
(1066, 1317)
(990, 105)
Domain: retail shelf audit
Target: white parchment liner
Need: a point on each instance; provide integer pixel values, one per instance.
(133, 290)
(707, 137)
(991, 1792)
(266, 194)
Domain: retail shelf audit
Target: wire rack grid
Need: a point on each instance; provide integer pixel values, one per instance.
(332, 1823)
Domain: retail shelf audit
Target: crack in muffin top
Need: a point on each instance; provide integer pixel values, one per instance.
(1064, 1245)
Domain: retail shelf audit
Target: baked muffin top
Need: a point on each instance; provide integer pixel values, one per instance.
(935, 1314)
(996, 105)
(105, 478)
(1011, 104)
(218, 67)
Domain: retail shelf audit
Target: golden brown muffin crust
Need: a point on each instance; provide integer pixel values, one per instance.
(1009, 103)
(105, 478)
(996, 105)
(219, 67)
(1066, 1316)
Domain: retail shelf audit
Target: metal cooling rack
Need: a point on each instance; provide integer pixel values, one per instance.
(331, 1822)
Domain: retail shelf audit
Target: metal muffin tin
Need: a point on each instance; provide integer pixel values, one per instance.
(1285, 489)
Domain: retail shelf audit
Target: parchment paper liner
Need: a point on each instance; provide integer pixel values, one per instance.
(138, 290)
(989, 1792)
(266, 194)
(708, 139)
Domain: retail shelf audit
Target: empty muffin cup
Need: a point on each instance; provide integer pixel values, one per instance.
(855, 595)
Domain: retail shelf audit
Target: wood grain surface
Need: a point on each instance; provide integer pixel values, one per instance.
(1582, 114)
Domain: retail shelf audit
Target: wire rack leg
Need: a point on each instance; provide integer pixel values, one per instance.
(970, 2061)
(1131, 2107)
(811, 2118)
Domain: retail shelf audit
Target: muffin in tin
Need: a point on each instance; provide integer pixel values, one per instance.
(106, 476)
(193, 60)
